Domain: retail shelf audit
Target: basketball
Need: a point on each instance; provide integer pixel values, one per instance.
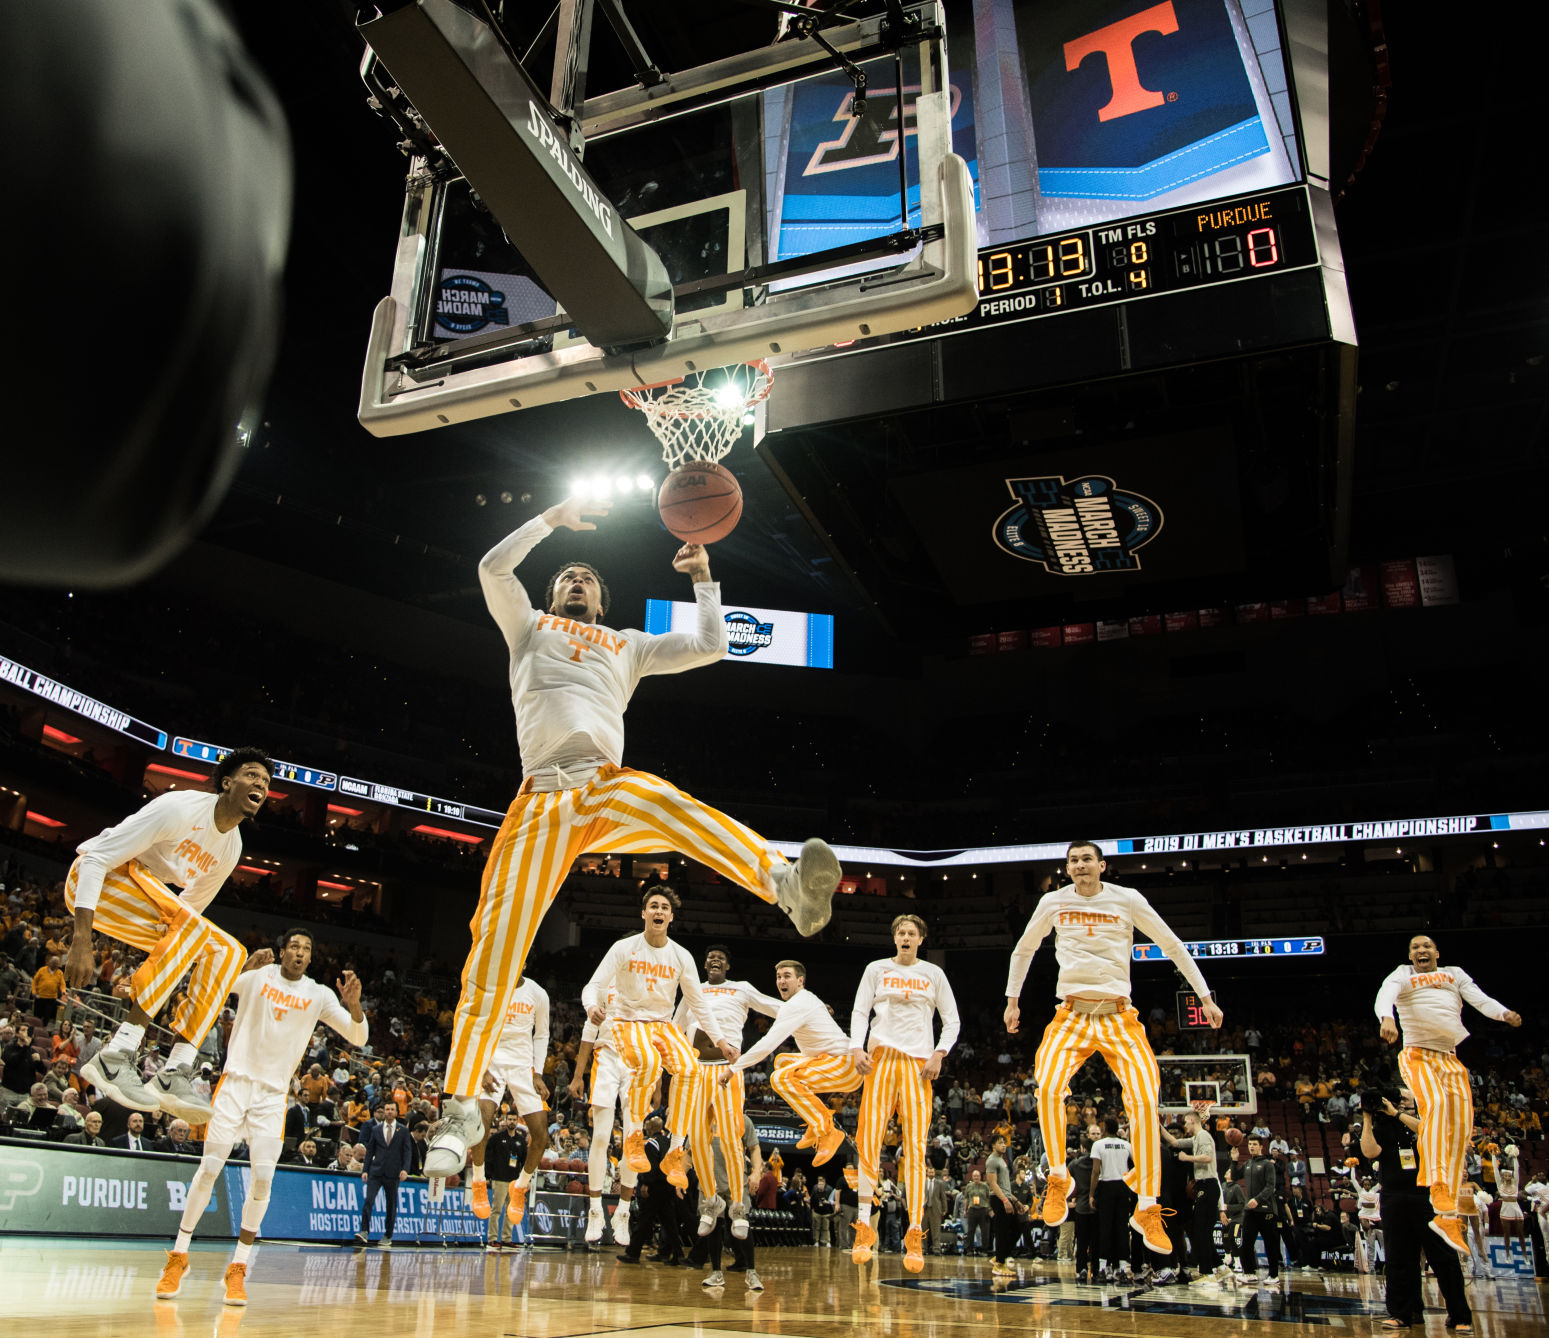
(700, 502)
(1234, 1138)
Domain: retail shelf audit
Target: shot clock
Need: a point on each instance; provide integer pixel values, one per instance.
(1191, 1012)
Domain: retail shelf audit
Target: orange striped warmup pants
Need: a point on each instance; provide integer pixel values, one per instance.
(895, 1083)
(799, 1079)
(1120, 1038)
(137, 908)
(1445, 1103)
(646, 1049)
(543, 833)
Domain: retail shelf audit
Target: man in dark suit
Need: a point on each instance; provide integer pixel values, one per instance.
(659, 1204)
(304, 1155)
(133, 1138)
(389, 1159)
(91, 1132)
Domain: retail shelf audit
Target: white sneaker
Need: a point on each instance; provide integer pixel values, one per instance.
(594, 1223)
(115, 1073)
(173, 1089)
(805, 890)
(716, 1279)
(755, 1283)
(620, 1222)
(709, 1210)
(450, 1138)
(738, 1214)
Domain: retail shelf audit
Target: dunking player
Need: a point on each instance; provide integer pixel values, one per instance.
(824, 1064)
(517, 1067)
(1094, 924)
(118, 886)
(1429, 999)
(646, 971)
(610, 1080)
(571, 679)
(278, 1007)
(896, 998)
(725, 1103)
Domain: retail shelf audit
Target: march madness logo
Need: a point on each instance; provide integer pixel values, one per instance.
(465, 305)
(1077, 527)
(746, 634)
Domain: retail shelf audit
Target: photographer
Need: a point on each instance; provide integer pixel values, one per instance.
(1388, 1137)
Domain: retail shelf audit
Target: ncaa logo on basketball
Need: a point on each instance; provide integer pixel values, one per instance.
(1077, 527)
(466, 304)
(746, 634)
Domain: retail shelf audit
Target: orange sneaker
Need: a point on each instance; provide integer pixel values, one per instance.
(852, 1177)
(1148, 1221)
(830, 1143)
(1443, 1200)
(1056, 1198)
(865, 1238)
(807, 1140)
(478, 1198)
(236, 1284)
(171, 1281)
(675, 1168)
(634, 1153)
(1450, 1229)
(516, 1204)
(914, 1250)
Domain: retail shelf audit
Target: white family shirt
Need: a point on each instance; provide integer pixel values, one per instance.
(597, 1033)
(729, 1003)
(646, 982)
(570, 681)
(1430, 1005)
(524, 1039)
(275, 1021)
(1093, 942)
(899, 1002)
(175, 837)
(805, 1017)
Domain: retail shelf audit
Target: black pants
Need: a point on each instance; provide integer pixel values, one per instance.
(659, 1207)
(1255, 1224)
(1007, 1229)
(1536, 1236)
(1207, 1210)
(1405, 1236)
(1113, 1214)
(1086, 1241)
(375, 1185)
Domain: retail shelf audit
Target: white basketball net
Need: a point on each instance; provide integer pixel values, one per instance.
(700, 416)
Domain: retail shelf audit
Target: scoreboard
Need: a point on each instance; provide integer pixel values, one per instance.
(1235, 947)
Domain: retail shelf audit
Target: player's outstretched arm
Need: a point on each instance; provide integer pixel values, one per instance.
(693, 560)
(673, 652)
(504, 596)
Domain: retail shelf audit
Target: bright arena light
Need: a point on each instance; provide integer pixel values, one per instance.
(644, 482)
(728, 396)
(622, 483)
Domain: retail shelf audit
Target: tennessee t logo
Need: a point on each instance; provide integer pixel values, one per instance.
(1116, 44)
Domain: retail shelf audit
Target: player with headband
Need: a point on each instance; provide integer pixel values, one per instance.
(1094, 925)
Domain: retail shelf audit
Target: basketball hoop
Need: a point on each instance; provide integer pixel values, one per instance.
(1202, 1109)
(699, 416)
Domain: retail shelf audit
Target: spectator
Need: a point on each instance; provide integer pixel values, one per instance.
(65, 1044)
(22, 1066)
(178, 1140)
(48, 987)
(60, 1080)
(976, 1214)
(88, 1044)
(37, 1099)
(70, 1118)
(825, 1203)
(90, 1134)
(304, 1155)
(133, 1138)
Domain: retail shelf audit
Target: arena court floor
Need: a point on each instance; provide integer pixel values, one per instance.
(70, 1288)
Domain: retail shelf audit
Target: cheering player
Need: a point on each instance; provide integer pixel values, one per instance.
(278, 1007)
(1094, 924)
(896, 998)
(118, 886)
(610, 1080)
(571, 679)
(1429, 999)
(517, 1067)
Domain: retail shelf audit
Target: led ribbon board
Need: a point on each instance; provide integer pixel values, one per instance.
(40, 685)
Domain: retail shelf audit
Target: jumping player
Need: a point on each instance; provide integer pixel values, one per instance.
(118, 886)
(1429, 999)
(729, 1002)
(571, 679)
(610, 1081)
(278, 1007)
(824, 1064)
(896, 999)
(646, 971)
(517, 1068)
(1094, 925)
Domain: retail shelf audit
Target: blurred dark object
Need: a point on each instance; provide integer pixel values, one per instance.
(148, 218)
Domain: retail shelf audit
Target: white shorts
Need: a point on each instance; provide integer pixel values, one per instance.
(608, 1078)
(518, 1081)
(1511, 1210)
(244, 1110)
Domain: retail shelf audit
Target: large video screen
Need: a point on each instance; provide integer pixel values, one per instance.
(761, 636)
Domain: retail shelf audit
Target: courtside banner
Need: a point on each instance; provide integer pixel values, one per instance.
(769, 636)
(307, 1204)
(56, 1188)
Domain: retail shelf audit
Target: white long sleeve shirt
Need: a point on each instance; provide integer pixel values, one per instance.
(175, 837)
(596, 1032)
(275, 1021)
(806, 1017)
(646, 982)
(524, 1039)
(730, 1003)
(899, 1003)
(1430, 1005)
(570, 681)
(1093, 941)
